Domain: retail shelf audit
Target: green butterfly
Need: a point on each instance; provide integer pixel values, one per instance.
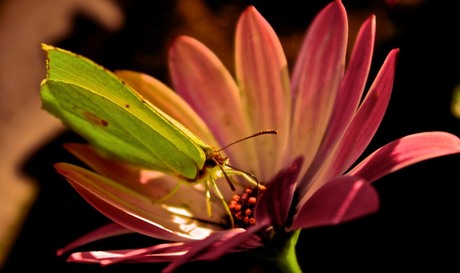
(113, 117)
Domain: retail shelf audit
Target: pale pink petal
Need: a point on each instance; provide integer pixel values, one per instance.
(339, 200)
(201, 79)
(263, 77)
(274, 204)
(109, 230)
(153, 185)
(172, 250)
(316, 78)
(406, 151)
(168, 101)
(159, 253)
(131, 209)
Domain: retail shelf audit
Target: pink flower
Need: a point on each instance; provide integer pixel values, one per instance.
(308, 169)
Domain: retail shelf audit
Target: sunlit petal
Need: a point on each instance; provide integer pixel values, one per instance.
(131, 209)
(158, 253)
(153, 185)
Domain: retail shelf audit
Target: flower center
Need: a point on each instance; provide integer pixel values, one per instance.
(242, 207)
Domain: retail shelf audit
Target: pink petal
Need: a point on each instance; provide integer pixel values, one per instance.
(130, 209)
(110, 230)
(203, 81)
(350, 92)
(358, 134)
(274, 204)
(262, 75)
(354, 81)
(152, 185)
(406, 151)
(339, 200)
(316, 78)
(368, 118)
(168, 101)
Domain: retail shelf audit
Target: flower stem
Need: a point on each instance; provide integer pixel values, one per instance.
(287, 258)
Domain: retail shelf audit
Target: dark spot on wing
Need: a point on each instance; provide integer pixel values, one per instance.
(95, 120)
(127, 105)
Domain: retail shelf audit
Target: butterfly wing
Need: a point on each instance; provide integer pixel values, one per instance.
(96, 104)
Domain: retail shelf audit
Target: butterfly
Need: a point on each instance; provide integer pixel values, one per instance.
(96, 104)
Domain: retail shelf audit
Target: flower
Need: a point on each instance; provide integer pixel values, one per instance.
(309, 169)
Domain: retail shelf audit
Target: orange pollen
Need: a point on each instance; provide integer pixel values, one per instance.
(242, 208)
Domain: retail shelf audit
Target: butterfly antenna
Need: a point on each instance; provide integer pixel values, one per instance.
(263, 132)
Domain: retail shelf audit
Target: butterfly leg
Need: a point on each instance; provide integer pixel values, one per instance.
(222, 199)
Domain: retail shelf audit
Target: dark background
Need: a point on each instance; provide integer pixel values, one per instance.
(416, 227)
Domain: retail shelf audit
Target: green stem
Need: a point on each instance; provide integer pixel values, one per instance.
(287, 258)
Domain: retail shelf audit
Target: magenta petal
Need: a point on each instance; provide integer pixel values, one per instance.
(274, 204)
(339, 200)
(112, 229)
(316, 79)
(406, 151)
